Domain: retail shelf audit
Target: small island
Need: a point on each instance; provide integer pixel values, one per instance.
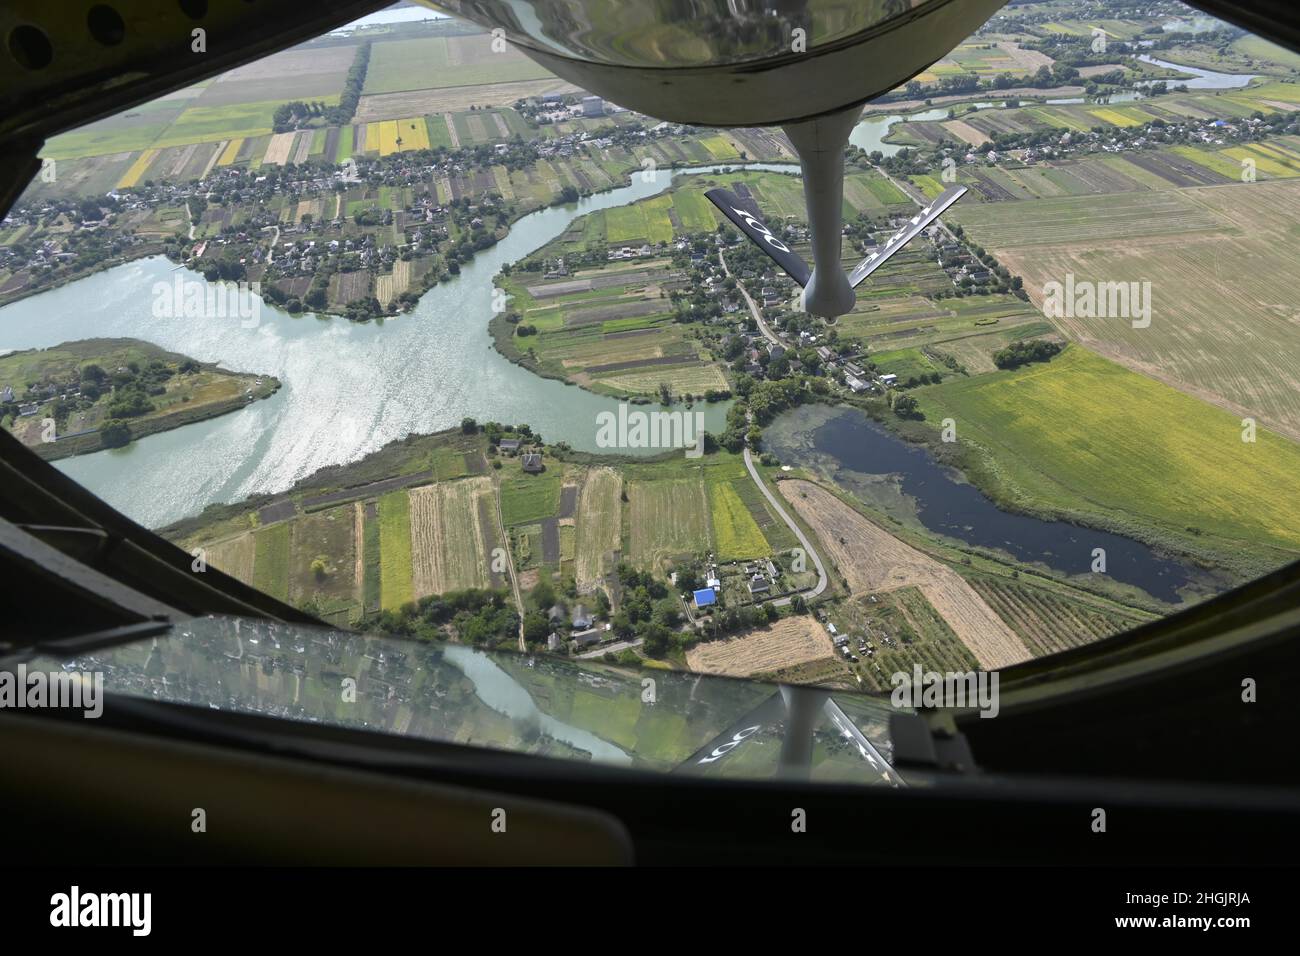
(84, 396)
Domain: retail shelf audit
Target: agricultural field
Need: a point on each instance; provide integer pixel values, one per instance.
(455, 99)
(1212, 334)
(897, 327)
(441, 62)
(310, 72)
(322, 564)
(272, 552)
(1062, 438)
(453, 532)
(611, 330)
(905, 616)
(527, 498)
(234, 556)
(396, 586)
(599, 516)
(667, 519)
(137, 170)
(734, 528)
(1047, 621)
(871, 560)
(790, 642)
(990, 58)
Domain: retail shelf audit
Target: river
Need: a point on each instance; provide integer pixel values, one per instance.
(905, 481)
(348, 388)
(871, 132)
(1200, 79)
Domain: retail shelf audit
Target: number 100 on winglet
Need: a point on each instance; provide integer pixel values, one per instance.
(749, 220)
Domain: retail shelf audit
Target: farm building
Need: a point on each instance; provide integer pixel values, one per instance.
(706, 597)
(532, 462)
(509, 445)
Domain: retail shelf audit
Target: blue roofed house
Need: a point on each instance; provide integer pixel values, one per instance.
(706, 597)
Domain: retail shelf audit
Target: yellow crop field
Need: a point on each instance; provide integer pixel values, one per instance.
(1272, 165)
(136, 170)
(720, 147)
(230, 152)
(737, 534)
(1115, 118)
(392, 136)
(414, 133)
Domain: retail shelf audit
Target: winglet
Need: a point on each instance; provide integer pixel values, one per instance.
(749, 220)
(909, 231)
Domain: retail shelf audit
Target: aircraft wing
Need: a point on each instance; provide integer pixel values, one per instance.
(749, 220)
(909, 231)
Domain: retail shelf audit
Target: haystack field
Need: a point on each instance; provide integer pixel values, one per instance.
(449, 549)
(789, 642)
(871, 559)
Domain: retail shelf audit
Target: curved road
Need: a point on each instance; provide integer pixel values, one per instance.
(753, 307)
(798, 531)
(749, 459)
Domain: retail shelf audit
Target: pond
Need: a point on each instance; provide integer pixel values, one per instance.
(861, 456)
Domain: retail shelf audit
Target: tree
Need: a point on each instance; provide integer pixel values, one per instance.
(905, 406)
(536, 627)
(115, 434)
(543, 594)
(657, 640)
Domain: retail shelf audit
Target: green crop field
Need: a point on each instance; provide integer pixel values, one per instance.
(694, 211)
(271, 561)
(737, 534)
(326, 536)
(905, 363)
(431, 63)
(526, 498)
(200, 124)
(1081, 435)
(667, 517)
(395, 587)
(720, 147)
(644, 221)
(371, 572)
(1271, 53)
